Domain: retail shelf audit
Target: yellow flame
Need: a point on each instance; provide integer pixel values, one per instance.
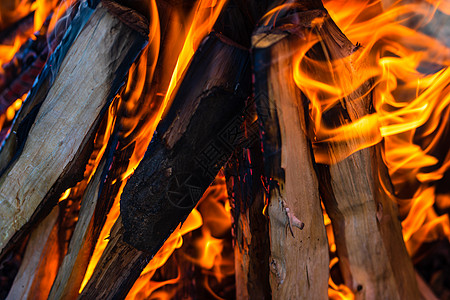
(410, 76)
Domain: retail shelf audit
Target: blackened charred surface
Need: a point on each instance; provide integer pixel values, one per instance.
(190, 145)
(129, 16)
(267, 114)
(127, 263)
(246, 190)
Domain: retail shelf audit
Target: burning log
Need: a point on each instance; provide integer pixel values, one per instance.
(19, 74)
(24, 26)
(298, 243)
(355, 191)
(120, 150)
(70, 274)
(356, 195)
(188, 148)
(45, 163)
(124, 260)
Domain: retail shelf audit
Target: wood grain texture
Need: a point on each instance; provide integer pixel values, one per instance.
(299, 257)
(55, 149)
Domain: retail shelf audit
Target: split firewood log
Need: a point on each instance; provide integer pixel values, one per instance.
(355, 191)
(145, 109)
(190, 145)
(57, 125)
(117, 245)
(36, 247)
(298, 243)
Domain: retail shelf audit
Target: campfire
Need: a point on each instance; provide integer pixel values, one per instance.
(224, 149)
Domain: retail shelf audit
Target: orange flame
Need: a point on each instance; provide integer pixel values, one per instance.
(9, 15)
(408, 69)
(144, 287)
(205, 17)
(411, 95)
(211, 219)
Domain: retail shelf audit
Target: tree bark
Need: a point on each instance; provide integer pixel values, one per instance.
(206, 107)
(190, 145)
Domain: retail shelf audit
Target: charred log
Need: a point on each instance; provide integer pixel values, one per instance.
(244, 172)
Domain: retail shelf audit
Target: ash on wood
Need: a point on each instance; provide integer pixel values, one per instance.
(60, 132)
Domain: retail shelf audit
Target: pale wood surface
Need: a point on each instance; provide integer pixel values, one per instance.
(299, 257)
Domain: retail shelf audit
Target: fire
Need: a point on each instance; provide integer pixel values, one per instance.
(15, 52)
(408, 69)
(205, 16)
(411, 90)
(8, 15)
(412, 103)
(144, 287)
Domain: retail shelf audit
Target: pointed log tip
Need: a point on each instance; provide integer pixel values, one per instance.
(128, 16)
